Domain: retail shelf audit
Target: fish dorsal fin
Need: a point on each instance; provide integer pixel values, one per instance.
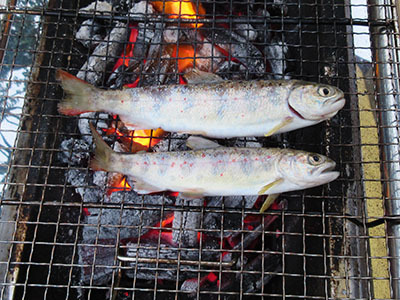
(196, 76)
(197, 143)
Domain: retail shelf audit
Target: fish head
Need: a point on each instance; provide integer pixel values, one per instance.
(305, 169)
(314, 101)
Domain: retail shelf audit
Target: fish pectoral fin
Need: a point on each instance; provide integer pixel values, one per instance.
(196, 76)
(199, 132)
(192, 194)
(197, 143)
(142, 187)
(265, 188)
(284, 123)
(268, 202)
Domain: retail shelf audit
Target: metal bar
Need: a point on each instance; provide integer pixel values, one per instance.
(6, 29)
(387, 86)
(214, 264)
(234, 19)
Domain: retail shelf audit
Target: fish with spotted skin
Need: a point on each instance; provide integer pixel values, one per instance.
(212, 170)
(208, 105)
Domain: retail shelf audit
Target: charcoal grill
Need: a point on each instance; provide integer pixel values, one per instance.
(335, 241)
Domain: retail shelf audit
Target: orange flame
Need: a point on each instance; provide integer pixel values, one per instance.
(118, 182)
(184, 9)
(145, 138)
(185, 55)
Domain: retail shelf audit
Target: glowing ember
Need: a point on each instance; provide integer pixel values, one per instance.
(118, 183)
(145, 138)
(184, 54)
(128, 52)
(180, 10)
(167, 222)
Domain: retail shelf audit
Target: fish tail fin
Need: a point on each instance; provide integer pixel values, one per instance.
(103, 153)
(79, 94)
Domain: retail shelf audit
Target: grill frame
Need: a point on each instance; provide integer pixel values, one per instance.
(32, 137)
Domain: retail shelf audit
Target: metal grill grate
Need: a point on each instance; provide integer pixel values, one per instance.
(322, 243)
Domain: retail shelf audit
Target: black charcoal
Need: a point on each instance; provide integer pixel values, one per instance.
(186, 223)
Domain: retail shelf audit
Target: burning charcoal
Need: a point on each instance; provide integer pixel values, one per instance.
(146, 255)
(88, 34)
(97, 260)
(153, 67)
(82, 181)
(229, 70)
(74, 152)
(187, 223)
(212, 220)
(172, 34)
(190, 285)
(247, 31)
(275, 53)
(97, 7)
(237, 47)
(146, 32)
(208, 58)
(161, 71)
(103, 55)
(149, 255)
(252, 281)
(177, 142)
(83, 124)
(141, 8)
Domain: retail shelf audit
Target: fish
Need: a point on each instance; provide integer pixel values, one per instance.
(209, 169)
(209, 105)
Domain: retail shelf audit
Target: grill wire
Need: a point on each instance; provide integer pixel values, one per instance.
(332, 240)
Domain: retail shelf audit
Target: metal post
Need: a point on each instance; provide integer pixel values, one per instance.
(386, 91)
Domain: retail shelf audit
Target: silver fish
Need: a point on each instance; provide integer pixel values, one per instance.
(212, 170)
(209, 105)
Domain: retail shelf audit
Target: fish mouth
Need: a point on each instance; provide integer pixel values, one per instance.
(327, 174)
(335, 107)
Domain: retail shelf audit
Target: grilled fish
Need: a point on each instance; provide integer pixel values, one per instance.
(209, 105)
(212, 170)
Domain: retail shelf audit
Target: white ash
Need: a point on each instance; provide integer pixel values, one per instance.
(172, 34)
(107, 223)
(247, 31)
(100, 178)
(82, 180)
(208, 58)
(84, 128)
(88, 35)
(250, 142)
(74, 152)
(275, 53)
(141, 8)
(186, 223)
(177, 142)
(190, 285)
(97, 7)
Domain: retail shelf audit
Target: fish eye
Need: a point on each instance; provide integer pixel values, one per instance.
(324, 91)
(314, 159)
